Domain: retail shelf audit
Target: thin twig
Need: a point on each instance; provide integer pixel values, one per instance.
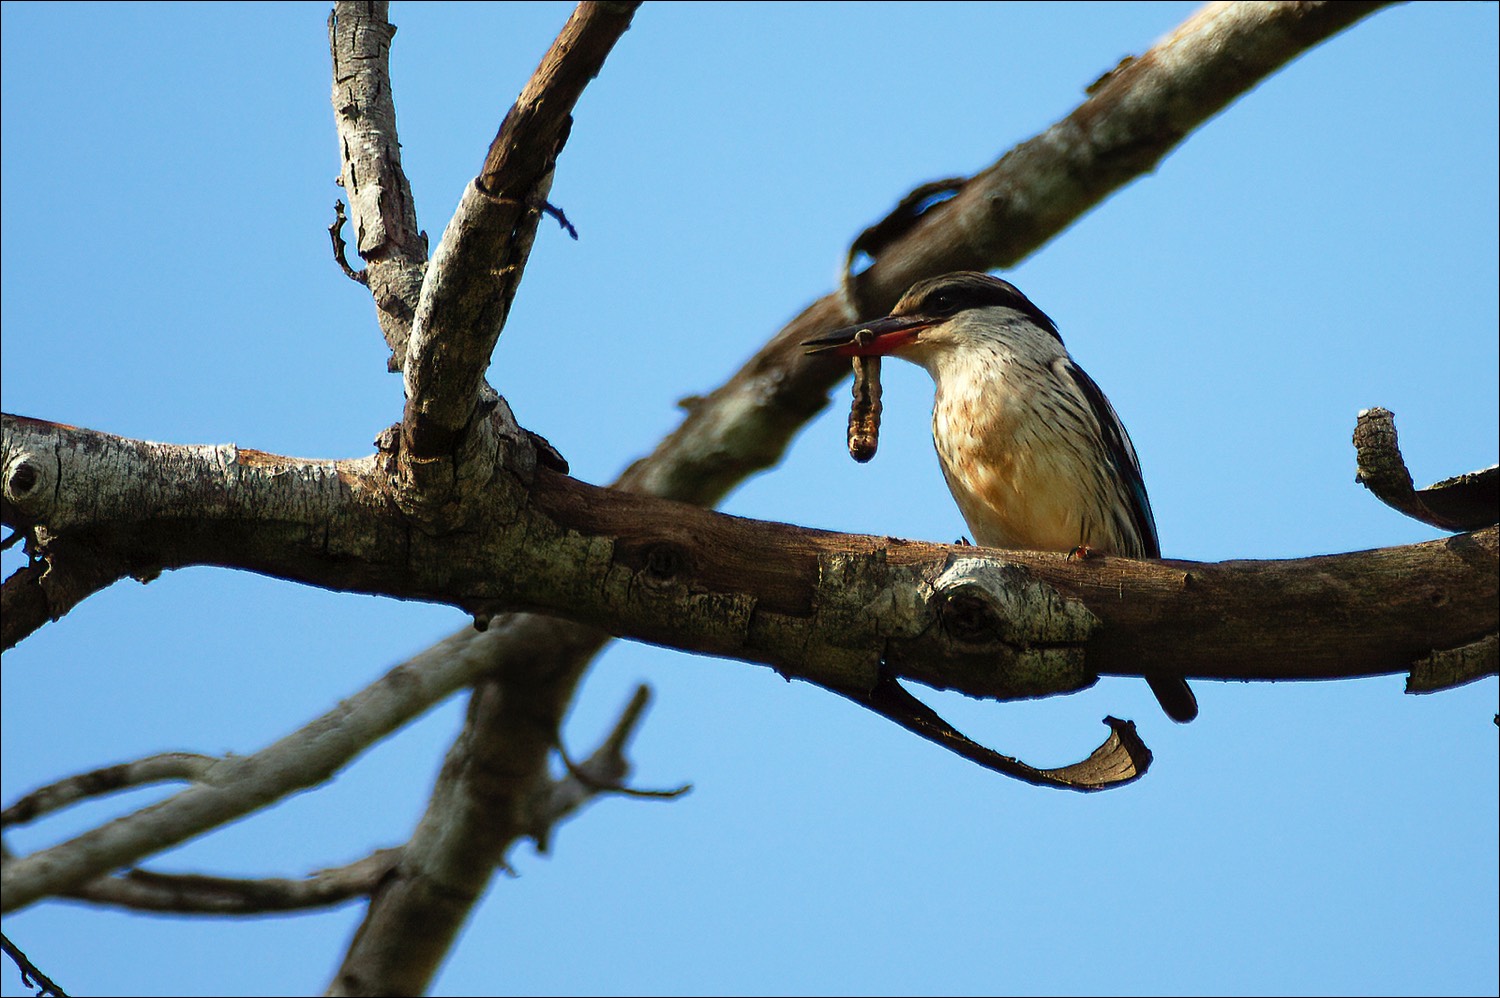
(601, 773)
(557, 213)
(183, 766)
(195, 894)
(30, 976)
(340, 248)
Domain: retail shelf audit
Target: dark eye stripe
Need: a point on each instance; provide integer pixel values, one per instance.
(950, 294)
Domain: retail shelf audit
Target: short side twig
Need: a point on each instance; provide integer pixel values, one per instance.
(340, 248)
(30, 976)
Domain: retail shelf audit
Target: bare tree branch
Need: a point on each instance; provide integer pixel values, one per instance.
(1135, 115)
(1466, 502)
(1122, 758)
(477, 267)
(834, 609)
(194, 894)
(493, 782)
(603, 772)
(535, 128)
(706, 456)
(824, 606)
(1450, 667)
(380, 199)
(30, 976)
(233, 787)
(180, 766)
(24, 607)
(341, 248)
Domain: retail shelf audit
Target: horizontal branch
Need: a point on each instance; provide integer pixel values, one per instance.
(843, 611)
(825, 606)
(31, 977)
(842, 601)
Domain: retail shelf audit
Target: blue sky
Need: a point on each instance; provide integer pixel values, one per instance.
(1326, 244)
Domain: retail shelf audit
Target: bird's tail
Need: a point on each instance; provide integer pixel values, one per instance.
(1175, 697)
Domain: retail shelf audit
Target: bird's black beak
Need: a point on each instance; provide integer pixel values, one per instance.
(870, 339)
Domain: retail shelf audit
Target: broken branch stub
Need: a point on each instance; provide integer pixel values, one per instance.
(1463, 503)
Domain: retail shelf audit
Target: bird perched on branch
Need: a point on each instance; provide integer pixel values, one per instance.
(1032, 450)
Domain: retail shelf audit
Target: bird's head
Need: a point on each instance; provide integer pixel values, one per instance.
(941, 313)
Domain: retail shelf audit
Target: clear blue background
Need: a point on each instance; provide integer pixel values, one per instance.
(1326, 244)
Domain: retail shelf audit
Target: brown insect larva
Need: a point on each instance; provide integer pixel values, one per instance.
(864, 411)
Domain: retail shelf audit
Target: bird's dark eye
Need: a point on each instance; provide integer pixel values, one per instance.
(941, 303)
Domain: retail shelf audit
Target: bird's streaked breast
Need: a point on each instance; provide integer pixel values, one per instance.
(1019, 448)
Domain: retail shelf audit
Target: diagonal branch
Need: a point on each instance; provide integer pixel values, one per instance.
(233, 787)
(195, 894)
(1122, 759)
(1134, 116)
(477, 266)
(601, 773)
(30, 975)
(24, 605)
(179, 766)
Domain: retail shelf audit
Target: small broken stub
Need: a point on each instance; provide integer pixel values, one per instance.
(864, 411)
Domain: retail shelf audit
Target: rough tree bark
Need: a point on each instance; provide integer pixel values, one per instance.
(461, 505)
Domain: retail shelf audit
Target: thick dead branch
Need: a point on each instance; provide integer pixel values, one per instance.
(536, 127)
(493, 780)
(380, 200)
(24, 606)
(824, 606)
(1464, 502)
(477, 267)
(1450, 667)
